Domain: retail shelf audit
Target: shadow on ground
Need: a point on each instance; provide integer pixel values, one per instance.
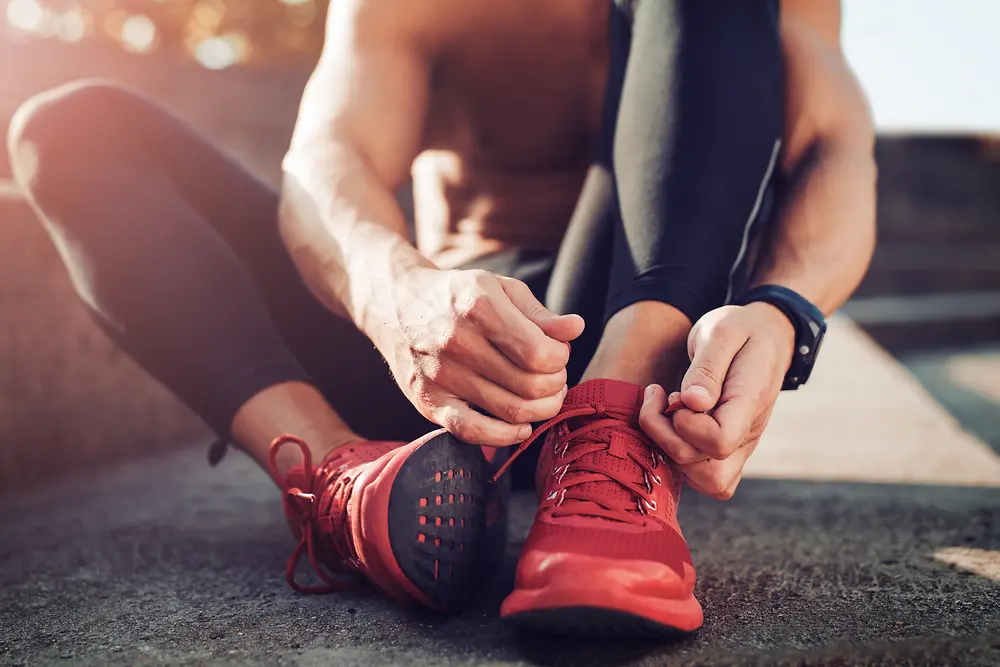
(168, 561)
(967, 383)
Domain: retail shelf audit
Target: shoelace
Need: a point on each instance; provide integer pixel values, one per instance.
(303, 501)
(575, 445)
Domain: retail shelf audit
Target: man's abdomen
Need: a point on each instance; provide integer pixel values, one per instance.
(464, 212)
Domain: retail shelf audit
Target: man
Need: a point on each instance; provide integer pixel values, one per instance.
(644, 168)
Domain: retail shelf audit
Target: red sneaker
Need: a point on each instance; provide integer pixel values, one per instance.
(420, 521)
(605, 554)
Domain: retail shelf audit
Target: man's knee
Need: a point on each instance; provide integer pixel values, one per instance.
(64, 125)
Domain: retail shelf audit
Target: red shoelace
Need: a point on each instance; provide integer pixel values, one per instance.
(575, 444)
(303, 503)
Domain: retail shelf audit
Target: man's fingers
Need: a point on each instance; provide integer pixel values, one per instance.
(479, 356)
(660, 429)
(746, 396)
(719, 479)
(720, 433)
(498, 401)
(560, 327)
(714, 346)
(478, 429)
(521, 340)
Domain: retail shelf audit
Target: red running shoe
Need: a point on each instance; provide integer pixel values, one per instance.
(420, 521)
(605, 554)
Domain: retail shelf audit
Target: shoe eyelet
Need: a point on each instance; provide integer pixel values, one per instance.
(558, 493)
(559, 472)
(645, 506)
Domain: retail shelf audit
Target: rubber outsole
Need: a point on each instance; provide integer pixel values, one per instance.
(594, 622)
(447, 522)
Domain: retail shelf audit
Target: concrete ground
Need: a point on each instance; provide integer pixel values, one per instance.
(869, 535)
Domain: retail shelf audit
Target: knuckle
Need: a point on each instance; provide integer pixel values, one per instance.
(685, 458)
(451, 340)
(708, 371)
(512, 412)
(547, 411)
(515, 285)
(535, 357)
(481, 277)
(720, 450)
(726, 494)
(724, 328)
(477, 307)
(466, 430)
(536, 388)
(541, 386)
(715, 485)
(723, 449)
(434, 371)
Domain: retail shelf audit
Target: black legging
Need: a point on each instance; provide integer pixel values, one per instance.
(174, 247)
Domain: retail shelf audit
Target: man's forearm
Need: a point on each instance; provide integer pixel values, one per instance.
(826, 235)
(345, 232)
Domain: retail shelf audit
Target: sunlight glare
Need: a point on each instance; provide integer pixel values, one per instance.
(984, 562)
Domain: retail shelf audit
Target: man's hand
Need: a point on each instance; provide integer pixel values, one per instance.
(461, 340)
(739, 357)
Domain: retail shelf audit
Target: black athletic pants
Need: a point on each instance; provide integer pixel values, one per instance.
(174, 246)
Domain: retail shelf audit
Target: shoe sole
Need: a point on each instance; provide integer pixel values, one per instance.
(447, 521)
(594, 622)
(593, 608)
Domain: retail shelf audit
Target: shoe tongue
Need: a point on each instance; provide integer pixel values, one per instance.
(623, 397)
(623, 401)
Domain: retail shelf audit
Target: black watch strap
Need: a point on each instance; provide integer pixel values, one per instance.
(809, 323)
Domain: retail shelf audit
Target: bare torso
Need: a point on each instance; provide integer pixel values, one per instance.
(513, 116)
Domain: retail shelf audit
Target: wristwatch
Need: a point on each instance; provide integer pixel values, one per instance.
(809, 323)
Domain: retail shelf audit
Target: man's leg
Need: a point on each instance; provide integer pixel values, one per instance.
(175, 250)
(691, 133)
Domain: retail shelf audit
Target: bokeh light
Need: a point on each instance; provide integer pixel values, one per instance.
(74, 25)
(223, 51)
(216, 34)
(138, 34)
(27, 16)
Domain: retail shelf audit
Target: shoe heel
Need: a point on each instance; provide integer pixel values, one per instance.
(447, 521)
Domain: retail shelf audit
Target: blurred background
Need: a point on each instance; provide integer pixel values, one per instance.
(236, 68)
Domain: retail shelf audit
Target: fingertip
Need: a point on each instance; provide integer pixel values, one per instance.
(574, 326)
(697, 398)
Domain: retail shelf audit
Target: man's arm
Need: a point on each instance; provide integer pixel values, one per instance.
(357, 134)
(824, 241)
(458, 342)
(821, 249)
